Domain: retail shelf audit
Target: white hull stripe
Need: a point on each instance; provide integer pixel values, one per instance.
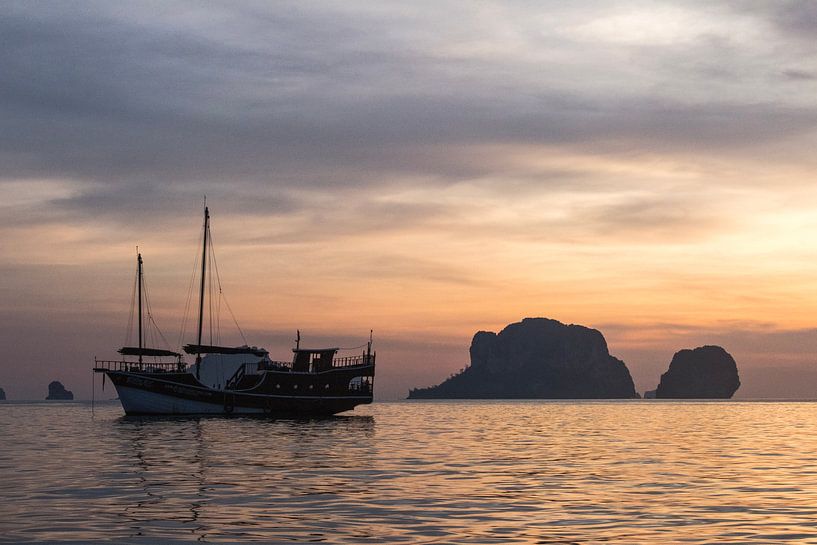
(244, 392)
(138, 401)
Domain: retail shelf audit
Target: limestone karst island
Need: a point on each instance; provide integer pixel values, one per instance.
(707, 372)
(541, 358)
(57, 392)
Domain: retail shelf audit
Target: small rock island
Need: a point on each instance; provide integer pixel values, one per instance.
(56, 391)
(537, 358)
(2, 394)
(707, 372)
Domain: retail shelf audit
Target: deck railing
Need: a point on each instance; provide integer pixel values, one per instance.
(135, 366)
(352, 361)
(249, 368)
(270, 366)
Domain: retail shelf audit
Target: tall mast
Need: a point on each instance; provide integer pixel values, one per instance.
(139, 276)
(201, 290)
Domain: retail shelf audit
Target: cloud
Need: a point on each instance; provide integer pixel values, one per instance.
(793, 18)
(311, 99)
(462, 161)
(799, 75)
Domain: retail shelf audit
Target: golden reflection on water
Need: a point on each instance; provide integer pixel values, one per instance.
(417, 472)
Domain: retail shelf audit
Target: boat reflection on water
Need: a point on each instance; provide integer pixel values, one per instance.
(200, 475)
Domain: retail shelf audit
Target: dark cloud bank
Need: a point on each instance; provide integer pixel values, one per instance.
(284, 109)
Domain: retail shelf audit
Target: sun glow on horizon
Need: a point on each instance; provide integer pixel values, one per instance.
(646, 169)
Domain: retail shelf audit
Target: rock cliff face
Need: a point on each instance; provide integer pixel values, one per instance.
(57, 391)
(708, 372)
(2, 395)
(538, 358)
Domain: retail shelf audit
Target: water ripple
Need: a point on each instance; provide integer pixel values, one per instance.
(416, 472)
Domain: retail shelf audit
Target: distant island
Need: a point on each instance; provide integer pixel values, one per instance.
(707, 372)
(537, 358)
(2, 394)
(56, 391)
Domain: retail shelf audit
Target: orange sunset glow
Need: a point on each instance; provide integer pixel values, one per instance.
(643, 169)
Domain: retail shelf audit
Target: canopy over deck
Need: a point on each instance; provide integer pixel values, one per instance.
(155, 352)
(208, 349)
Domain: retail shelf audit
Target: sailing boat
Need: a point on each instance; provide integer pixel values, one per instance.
(236, 380)
(141, 351)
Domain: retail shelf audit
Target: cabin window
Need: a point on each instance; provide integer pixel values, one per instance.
(360, 384)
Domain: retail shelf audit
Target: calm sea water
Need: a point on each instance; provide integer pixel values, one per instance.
(416, 472)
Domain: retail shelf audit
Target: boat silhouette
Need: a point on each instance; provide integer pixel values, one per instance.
(233, 379)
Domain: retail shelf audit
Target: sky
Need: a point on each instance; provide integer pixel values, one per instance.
(423, 169)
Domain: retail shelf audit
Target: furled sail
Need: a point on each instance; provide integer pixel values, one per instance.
(155, 352)
(207, 349)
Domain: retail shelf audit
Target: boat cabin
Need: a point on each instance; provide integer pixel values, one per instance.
(313, 360)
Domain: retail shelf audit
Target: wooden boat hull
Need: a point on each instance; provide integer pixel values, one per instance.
(274, 394)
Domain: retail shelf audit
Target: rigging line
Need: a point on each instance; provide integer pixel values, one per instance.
(189, 299)
(146, 316)
(226, 302)
(185, 312)
(215, 284)
(159, 331)
(215, 264)
(220, 294)
(218, 318)
(210, 282)
(240, 331)
(129, 329)
(189, 315)
(355, 347)
(152, 320)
